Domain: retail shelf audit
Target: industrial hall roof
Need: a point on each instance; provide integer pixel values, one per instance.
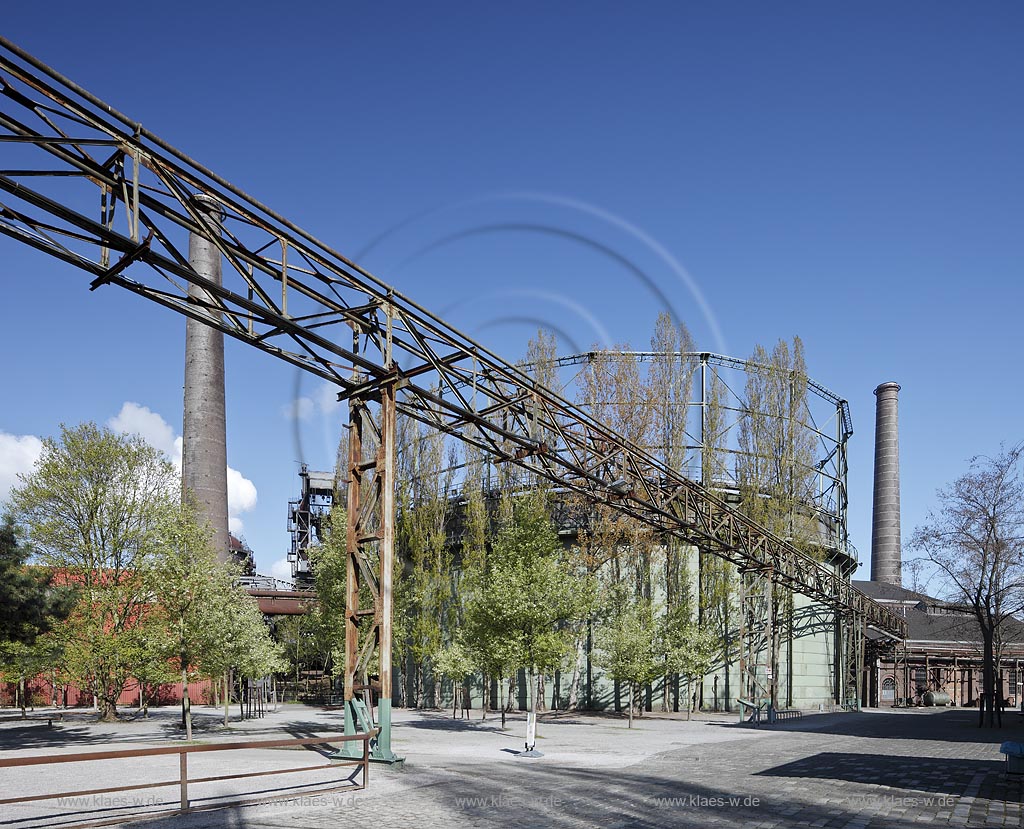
(932, 621)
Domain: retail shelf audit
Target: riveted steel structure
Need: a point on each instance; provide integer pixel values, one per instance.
(823, 415)
(292, 296)
(715, 456)
(306, 519)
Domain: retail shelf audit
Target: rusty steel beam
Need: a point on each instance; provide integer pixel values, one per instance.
(294, 297)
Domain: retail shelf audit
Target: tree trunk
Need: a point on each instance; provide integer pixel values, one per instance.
(21, 696)
(630, 705)
(987, 713)
(186, 703)
(501, 700)
(534, 681)
(574, 681)
(227, 696)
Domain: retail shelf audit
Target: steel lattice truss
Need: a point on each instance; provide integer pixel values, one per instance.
(823, 416)
(98, 191)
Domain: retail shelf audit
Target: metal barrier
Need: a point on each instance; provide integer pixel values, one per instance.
(183, 779)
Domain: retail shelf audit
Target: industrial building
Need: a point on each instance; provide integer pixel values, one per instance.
(941, 657)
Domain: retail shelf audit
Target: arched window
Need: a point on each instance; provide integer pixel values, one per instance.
(888, 689)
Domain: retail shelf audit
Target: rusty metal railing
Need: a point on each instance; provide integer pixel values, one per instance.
(183, 779)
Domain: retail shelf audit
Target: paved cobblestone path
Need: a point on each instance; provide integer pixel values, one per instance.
(896, 769)
(858, 771)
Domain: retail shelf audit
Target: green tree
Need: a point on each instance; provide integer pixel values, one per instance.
(776, 465)
(671, 381)
(243, 645)
(94, 507)
(329, 560)
(424, 590)
(308, 639)
(153, 664)
(628, 648)
(30, 603)
(531, 600)
(188, 584)
(691, 650)
(20, 662)
(454, 662)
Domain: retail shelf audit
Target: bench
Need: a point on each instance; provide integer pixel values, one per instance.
(751, 711)
(1014, 756)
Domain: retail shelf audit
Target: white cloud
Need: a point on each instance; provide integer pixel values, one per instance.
(18, 454)
(134, 419)
(281, 569)
(327, 399)
(138, 420)
(241, 493)
(323, 401)
(301, 408)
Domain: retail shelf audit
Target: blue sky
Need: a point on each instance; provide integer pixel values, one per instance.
(851, 174)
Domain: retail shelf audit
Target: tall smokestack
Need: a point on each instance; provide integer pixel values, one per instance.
(885, 521)
(204, 432)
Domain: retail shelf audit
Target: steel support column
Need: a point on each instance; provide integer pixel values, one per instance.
(370, 545)
(369, 569)
(852, 640)
(758, 641)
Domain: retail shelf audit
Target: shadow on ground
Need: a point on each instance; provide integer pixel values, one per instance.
(561, 798)
(924, 774)
(958, 725)
(39, 735)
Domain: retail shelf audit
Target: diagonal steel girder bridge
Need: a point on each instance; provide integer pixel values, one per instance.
(94, 189)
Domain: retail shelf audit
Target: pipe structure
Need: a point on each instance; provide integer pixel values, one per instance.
(204, 431)
(886, 565)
